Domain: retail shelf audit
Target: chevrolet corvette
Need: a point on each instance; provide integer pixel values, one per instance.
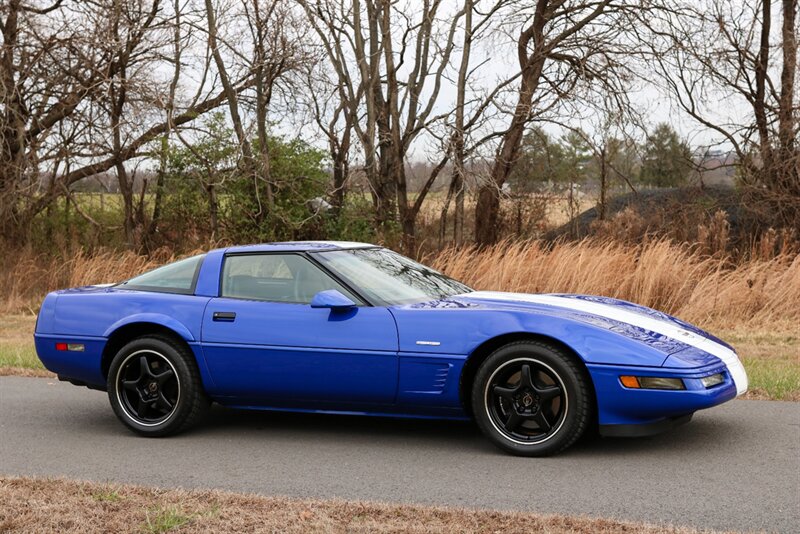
(351, 328)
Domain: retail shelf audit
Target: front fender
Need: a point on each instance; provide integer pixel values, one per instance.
(598, 344)
(462, 331)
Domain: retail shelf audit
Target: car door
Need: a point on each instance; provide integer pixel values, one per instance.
(264, 343)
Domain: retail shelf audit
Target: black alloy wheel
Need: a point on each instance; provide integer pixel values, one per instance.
(532, 398)
(154, 386)
(526, 400)
(148, 387)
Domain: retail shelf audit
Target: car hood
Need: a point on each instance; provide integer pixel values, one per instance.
(655, 328)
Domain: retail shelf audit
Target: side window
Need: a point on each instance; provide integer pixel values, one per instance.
(177, 277)
(275, 277)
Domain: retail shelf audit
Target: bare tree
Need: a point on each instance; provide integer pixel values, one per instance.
(390, 61)
(232, 97)
(71, 74)
(472, 111)
(269, 50)
(334, 119)
(726, 50)
(563, 47)
(134, 49)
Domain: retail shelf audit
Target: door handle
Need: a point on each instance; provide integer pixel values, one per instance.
(224, 316)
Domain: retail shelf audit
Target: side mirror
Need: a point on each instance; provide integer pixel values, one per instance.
(332, 299)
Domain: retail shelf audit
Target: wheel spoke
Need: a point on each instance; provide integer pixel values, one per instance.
(164, 402)
(548, 393)
(142, 406)
(163, 377)
(525, 377)
(130, 384)
(542, 421)
(514, 420)
(144, 367)
(506, 393)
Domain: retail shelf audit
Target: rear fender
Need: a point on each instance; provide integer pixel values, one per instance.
(156, 318)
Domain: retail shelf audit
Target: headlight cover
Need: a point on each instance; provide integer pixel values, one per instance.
(712, 380)
(652, 382)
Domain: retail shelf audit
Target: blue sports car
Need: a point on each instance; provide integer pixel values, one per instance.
(351, 328)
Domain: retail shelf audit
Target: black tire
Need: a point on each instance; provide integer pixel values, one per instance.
(538, 412)
(154, 387)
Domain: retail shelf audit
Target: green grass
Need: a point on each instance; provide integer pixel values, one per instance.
(774, 378)
(164, 520)
(21, 356)
(772, 361)
(16, 342)
(106, 494)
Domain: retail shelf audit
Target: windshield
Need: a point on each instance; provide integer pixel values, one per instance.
(387, 278)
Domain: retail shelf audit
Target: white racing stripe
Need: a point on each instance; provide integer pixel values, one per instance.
(653, 324)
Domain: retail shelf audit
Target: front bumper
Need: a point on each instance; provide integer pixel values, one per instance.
(618, 405)
(643, 430)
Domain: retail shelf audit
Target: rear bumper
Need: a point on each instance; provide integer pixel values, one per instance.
(618, 405)
(82, 367)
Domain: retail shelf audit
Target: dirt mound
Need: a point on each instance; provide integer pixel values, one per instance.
(676, 213)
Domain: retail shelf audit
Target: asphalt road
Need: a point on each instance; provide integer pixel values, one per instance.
(733, 467)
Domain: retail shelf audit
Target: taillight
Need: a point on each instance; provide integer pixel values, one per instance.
(72, 347)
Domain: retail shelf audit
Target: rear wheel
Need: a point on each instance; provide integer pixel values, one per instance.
(154, 387)
(531, 398)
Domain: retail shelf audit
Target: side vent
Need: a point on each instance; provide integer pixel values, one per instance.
(421, 378)
(440, 378)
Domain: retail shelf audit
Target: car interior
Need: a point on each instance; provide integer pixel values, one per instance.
(276, 278)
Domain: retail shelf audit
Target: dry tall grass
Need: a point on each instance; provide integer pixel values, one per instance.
(25, 277)
(709, 291)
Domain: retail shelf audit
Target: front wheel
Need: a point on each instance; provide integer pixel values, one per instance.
(154, 387)
(531, 398)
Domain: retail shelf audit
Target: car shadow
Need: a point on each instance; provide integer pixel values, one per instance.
(300, 425)
(444, 434)
(688, 438)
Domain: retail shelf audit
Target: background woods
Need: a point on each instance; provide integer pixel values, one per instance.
(165, 124)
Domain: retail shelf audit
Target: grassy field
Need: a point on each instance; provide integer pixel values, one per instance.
(17, 353)
(772, 359)
(56, 505)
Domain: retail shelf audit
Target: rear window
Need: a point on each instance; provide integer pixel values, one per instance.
(178, 277)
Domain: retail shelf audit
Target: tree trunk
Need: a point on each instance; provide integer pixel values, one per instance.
(445, 208)
(487, 210)
(408, 226)
(118, 97)
(341, 169)
(232, 97)
(213, 210)
(759, 104)
(458, 215)
(158, 198)
(787, 117)
(458, 150)
(789, 152)
(12, 128)
(126, 190)
(601, 211)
